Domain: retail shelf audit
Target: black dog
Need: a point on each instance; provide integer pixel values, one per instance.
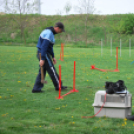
(113, 87)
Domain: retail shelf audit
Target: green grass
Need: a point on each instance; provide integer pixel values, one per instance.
(24, 112)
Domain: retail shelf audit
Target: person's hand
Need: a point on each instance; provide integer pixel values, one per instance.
(54, 61)
(42, 62)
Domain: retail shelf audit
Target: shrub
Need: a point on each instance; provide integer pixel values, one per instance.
(125, 25)
(129, 24)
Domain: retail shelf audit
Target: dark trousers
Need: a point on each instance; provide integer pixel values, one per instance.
(49, 67)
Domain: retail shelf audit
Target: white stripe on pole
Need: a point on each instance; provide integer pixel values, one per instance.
(120, 47)
(129, 47)
(101, 46)
(111, 46)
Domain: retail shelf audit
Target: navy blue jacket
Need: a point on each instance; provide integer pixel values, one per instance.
(46, 42)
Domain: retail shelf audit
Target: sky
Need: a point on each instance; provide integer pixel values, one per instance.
(103, 7)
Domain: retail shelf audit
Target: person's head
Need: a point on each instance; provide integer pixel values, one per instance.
(59, 27)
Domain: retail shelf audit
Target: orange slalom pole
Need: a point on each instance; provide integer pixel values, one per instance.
(116, 70)
(60, 97)
(61, 52)
(74, 90)
(59, 80)
(74, 77)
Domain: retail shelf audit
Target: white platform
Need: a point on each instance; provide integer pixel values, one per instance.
(116, 105)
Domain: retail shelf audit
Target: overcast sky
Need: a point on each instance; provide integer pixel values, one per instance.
(53, 7)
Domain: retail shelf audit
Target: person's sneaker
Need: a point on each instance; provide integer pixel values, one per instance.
(62, 88)
(34, 91)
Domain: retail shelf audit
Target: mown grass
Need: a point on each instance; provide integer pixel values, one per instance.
(24, 112)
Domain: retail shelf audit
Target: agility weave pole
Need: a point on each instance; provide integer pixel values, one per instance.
(60, 97)
(74, 90)
(71, 91)
(108, 70)
(62, 52)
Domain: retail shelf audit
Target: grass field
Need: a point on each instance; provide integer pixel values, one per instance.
(22, 112)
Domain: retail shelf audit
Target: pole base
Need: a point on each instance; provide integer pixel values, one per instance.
(74, 90)
(116, 70)
(59, 97)
(61, 60)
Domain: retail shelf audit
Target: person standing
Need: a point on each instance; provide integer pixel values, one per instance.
(45, 47)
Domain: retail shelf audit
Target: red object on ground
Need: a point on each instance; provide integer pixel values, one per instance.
(92, 66)
(108, 70)
(60, 97)
(73, 90)
(67, 93)
(62, 52)
(103, 70)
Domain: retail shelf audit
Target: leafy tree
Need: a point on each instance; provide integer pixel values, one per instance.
(129, 24)
(125, 25)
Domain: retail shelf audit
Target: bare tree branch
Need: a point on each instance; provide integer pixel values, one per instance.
(85, 7)
(20, 6)
(67, 7)
(23, 8)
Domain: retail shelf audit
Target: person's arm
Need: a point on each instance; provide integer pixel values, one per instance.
(44, 48)
(54, 59)
(52, 53)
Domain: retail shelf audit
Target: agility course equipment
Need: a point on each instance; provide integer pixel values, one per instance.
(116, 106)
(113, 106)
(62, 52)
(108, 70)
(72, 90)
(60, 97)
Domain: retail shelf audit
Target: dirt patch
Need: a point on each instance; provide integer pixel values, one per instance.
(1, 13)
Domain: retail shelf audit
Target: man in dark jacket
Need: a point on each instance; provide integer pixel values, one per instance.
(45, 47)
